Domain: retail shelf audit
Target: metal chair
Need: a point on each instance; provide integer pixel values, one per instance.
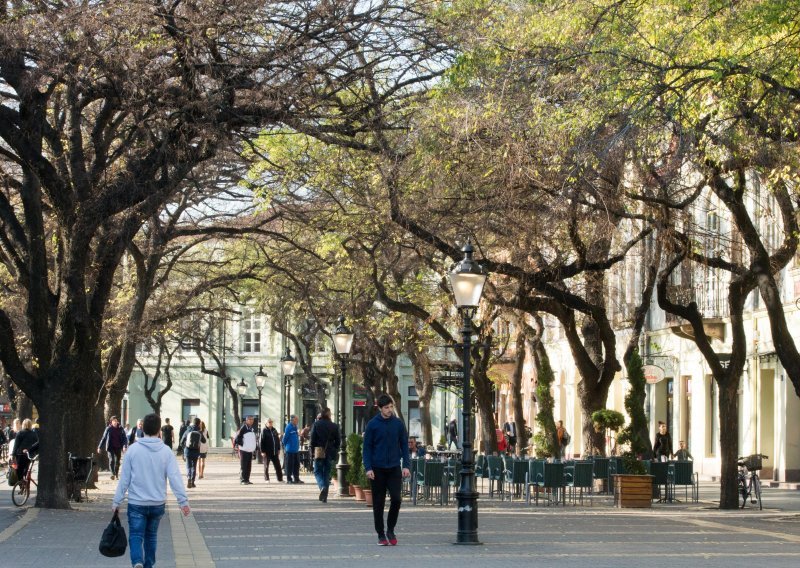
(480, 469)
(432, 480)
(515, 477)
(600, 470)
(554, 481)
(580, 477)
(660, 472)
(533, 478)
(683, 474)
(494, 470)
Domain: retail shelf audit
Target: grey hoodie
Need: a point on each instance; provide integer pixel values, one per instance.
(146, 467)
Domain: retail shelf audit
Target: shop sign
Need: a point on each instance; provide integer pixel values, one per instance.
(653, 374)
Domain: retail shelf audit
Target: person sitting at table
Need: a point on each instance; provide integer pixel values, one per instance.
(683, 454)
(414, 448)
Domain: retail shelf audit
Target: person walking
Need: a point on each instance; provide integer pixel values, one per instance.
(167, 433)
(191, 441)
(147, 467)
(245, 442)
(324, 445)
(270, 445)
(385, 449)
(114, 442)
(201, 461)
(291, 447)
(137, 432)
(184, 425)
(562, 439)
(510, 431)
(452, 433)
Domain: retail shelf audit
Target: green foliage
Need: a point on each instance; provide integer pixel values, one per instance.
(632, 465)
(354, 442)
(544, 441)
(635, 433)
(606, 418)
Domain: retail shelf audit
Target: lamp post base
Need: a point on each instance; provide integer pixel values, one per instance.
(467, 518)
(341, 479)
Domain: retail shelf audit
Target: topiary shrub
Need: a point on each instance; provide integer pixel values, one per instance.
(354, 442)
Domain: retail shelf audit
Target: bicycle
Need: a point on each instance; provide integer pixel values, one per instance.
(22, 490)
(749, 483)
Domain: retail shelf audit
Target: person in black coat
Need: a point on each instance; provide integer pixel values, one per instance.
(137, 432)
(270, 445)
(26, 445)
(663, 445)
(114, 442)
(325, 435)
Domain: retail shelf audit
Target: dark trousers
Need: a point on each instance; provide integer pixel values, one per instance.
(292, 466)
(114, 455)
(246, 461)
(23, 463)
(390, 479)
(276, 463)
(191, 464)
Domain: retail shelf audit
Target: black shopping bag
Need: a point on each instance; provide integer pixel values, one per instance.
(114, 540)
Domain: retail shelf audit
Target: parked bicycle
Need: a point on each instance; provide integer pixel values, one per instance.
(22, 490)
(749, 483)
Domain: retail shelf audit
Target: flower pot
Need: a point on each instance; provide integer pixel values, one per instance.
(368, 497)
(351, 489)
(633, 491)
(359, 494)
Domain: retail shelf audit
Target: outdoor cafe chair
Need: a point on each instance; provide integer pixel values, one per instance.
(660, 472)
(553, 480)
(432, 481)
(534, 477)
(682, 474)
(481, 471)
(515, 477)
(579, 476)
(494, 467)
(600, 470)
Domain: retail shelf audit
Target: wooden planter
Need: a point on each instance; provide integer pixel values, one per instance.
(633, 491)
(359, 493)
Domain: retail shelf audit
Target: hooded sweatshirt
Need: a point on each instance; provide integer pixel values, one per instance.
(385, 443)
(146, 467)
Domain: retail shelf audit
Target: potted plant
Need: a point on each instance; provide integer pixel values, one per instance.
(354, 442)
(633, 489)
(606, 419)
(442, 445)
(366, 487)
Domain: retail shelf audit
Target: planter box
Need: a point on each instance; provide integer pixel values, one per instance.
(634, 491)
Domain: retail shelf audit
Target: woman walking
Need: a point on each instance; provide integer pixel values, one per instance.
(201, 461)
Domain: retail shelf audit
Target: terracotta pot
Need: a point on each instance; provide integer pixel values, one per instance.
(351, 489)
(368, 496)
(359, 494)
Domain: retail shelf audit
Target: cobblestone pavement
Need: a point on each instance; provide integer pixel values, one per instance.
(258, 525)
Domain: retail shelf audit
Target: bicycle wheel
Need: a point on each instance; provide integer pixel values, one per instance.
(20, 493)
(742, 491)
(756, 496)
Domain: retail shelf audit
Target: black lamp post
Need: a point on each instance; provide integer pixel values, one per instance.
(261, 379)
(241, 388)
(343, 342)
(288, 363)
(467, 279)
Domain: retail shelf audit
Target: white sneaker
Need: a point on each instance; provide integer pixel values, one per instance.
(138, 565)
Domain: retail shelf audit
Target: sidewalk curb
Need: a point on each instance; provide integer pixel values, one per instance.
(188, 543)
(30, 514)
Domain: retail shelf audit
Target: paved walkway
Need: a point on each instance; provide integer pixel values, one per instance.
(234, 525)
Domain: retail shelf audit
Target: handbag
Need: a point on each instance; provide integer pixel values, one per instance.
(114, 540)
(319, 453)
(12, 475)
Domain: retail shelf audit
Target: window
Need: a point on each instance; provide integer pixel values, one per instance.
(190, 407)
(251, 332)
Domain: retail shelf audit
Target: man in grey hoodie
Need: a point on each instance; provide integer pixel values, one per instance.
(147, 466)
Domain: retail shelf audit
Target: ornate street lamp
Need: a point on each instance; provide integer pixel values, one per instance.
(467, 279)
(261, 379)
(343, 342)
(241, 387)
(288, 363)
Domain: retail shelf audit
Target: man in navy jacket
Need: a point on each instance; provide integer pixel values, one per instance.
(385, 448)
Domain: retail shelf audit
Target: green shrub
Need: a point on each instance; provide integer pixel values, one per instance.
(632, 465)
(354, 442)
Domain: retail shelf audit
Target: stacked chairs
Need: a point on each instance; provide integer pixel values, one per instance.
(534, 478)
(600, 470)
(481, 472)
(553, 482)
(432, 481)
(516, 473)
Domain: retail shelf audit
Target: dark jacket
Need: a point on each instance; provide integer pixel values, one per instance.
(240, 434)
(167, 434)
(113, 439)
(385, 443)
(26, 440)
(325, 434)
(663, 445)
(135, 433)
(187, 450)
(270, 443)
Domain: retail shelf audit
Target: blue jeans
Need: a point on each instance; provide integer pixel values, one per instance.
(143, 532)
(322, 471)
(191, 463)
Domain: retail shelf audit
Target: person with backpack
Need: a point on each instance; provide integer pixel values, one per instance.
(114, 442)
(562, 439)
(191, 441)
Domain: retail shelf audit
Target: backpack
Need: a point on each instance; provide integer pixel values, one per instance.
(565, 439)
(193, 440)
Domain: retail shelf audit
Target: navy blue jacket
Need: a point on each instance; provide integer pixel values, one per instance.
(113, 438)
(385, 443)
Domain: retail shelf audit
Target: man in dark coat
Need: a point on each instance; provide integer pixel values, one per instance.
(324, 435)
(114, 442)
(270, 445)
(245, 442)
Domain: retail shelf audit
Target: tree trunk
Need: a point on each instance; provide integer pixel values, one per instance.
(24, 406)
(729, 444)
(516, 392)
(112, 405)
(53, 425)
(484, 397)
(425, 418)
(592, 400)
